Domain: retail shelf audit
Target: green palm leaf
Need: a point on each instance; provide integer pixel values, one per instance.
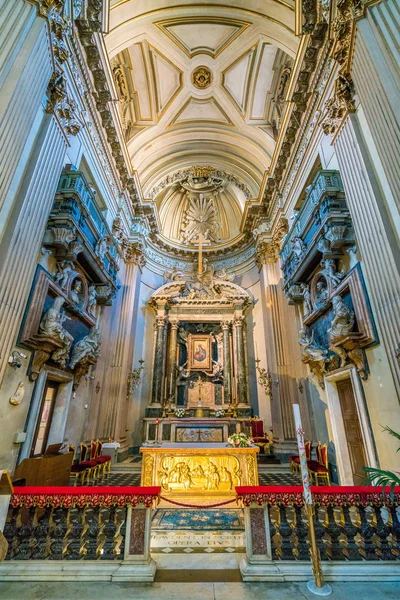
(379, 477)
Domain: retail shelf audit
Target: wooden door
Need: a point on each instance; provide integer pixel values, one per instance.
(44, 420)
(352, 429)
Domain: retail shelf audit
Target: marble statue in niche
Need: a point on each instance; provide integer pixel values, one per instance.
(92, 299)
(330, 271)
(76, 291)
(322, 294)
(308, 307)
(52, 326)
(64, 269)
(342, 324)
(87, 348)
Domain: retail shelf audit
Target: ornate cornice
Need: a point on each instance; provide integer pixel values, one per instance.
(343, 31)
(299, 99)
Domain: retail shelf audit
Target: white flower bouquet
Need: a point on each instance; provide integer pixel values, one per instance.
(179, 412)
(240, 440)
(220, 413)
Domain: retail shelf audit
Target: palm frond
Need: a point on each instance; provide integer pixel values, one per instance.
(379, 477)
(393, 433)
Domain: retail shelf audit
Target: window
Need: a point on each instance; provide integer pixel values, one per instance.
(44, 421)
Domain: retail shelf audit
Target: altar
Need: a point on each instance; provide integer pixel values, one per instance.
(199, 469)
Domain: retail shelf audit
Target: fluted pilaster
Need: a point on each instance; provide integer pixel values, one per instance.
(371, 224)
(18, 110)
(124, 323)
(21, 245)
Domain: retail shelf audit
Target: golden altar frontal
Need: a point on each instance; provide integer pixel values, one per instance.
(199, 469)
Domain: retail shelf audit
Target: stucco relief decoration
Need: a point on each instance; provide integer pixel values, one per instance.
(202, 77)
(64, 107)
(85, 353)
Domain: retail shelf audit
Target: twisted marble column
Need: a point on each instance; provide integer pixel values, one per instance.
(225, 326)
(172, 349)
(158, 366)
(241, 375)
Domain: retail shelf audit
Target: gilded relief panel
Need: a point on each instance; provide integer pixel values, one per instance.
(199, 474)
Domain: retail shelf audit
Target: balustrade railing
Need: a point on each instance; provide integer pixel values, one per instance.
(81, 524)
(351, 524)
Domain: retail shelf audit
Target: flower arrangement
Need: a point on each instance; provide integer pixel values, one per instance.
(220, 413)
(179, 412)
(240, 440)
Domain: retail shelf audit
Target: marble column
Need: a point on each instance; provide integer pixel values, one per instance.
(379, 252)
(158, 364)
(172, 352)
(241, 375)
(225, 326)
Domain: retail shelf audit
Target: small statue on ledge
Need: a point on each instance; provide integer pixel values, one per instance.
(87, 348)
(341, 325)
(52, 326)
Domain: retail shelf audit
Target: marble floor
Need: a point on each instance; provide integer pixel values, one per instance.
(194, 591)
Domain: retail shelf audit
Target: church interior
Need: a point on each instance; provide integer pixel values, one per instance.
(199, 299)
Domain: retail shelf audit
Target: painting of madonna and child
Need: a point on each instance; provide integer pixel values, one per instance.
(200, 353)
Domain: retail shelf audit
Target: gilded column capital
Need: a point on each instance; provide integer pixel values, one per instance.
(174, 323)
(266, 253)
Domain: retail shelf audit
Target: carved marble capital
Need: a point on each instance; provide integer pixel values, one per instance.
(238, 321)
(174, 323)
(160, 322)
(134, 254)
(225, 325)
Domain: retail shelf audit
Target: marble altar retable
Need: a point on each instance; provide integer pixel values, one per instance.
(199, 469)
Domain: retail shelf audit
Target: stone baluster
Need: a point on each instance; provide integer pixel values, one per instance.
(241, 376)
(172, 351)
(158, 365)
(225, 326)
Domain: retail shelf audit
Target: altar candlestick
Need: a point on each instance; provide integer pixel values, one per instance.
(317, 586)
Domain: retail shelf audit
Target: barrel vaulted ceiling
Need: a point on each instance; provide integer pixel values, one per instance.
(197, 83)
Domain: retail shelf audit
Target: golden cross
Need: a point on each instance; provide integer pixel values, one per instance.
(199, 383)
(199, 240)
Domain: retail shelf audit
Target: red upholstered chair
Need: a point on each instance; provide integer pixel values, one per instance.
(91, 464)
(259, 436)
(103, 459)
(78, 471)
(319, 469)
(294, 461)
(83, 468)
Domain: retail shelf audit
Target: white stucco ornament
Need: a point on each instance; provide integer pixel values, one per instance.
(17, 398)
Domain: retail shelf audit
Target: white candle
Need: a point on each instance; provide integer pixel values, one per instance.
(302, 455)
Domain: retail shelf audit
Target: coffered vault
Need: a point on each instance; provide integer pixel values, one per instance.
(201, 84)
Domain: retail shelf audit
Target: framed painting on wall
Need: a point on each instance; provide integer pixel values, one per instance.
(200, 352)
